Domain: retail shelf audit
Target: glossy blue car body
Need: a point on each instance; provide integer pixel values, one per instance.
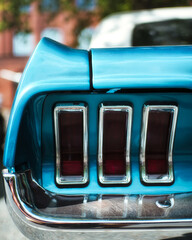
(54, 71)
(136, 76)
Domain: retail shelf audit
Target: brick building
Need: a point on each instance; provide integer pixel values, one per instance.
(12, 57)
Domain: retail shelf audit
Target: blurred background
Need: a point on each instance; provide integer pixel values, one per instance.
(79, 24)
(73, 22)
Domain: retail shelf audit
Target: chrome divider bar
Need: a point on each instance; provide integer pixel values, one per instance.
(68, 180)
(159, 178)
(114, 179)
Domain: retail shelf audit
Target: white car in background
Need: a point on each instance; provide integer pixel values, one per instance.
(165, 26)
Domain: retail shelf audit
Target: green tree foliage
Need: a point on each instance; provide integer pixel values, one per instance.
(108, 6)
(12, 12)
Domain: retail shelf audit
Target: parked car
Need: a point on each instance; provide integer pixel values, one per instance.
(165, 26)
(101, 140)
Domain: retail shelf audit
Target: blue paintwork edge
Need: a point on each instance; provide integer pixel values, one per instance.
(142, 67)
(52, 67)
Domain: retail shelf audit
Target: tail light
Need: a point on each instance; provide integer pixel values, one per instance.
(114, 144)
(159, 123)
(71, 144)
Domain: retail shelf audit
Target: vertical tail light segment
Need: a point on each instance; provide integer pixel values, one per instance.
(157, 137)
(71, 137)
(114, 144)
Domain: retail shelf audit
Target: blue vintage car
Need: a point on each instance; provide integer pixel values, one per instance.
(101, 140)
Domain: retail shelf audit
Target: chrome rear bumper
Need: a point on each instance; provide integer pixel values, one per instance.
(41, 213)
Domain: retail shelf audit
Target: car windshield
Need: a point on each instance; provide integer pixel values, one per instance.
(171, 32)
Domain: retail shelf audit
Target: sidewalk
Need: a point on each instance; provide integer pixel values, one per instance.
(8, 230)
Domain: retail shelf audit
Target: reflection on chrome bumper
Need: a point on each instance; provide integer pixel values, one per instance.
(40, 210)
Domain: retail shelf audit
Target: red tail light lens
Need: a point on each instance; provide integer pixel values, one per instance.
(114, 144)
(71, 144)
(157, 141)
(159, 123)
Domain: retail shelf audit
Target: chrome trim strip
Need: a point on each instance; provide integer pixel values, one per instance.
(165, 178)
(114, 179)
(68, 180)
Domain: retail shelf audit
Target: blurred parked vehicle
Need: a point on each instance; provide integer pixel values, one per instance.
(166, 26)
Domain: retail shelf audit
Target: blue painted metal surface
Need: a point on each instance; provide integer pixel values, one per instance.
(142, 67)
(52, 67)
(56, 68)
(28, 147)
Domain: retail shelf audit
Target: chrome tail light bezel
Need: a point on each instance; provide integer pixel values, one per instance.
(164, 178)
(71, 180)
(118, 179)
